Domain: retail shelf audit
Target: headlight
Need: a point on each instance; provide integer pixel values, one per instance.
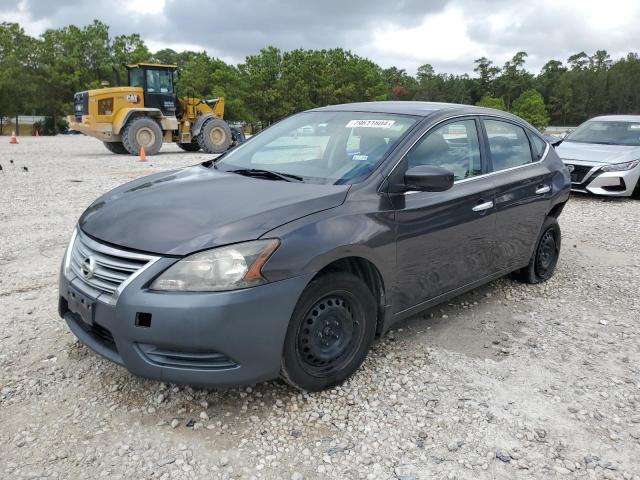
(67, 254)
(619, 167)
(223, 268)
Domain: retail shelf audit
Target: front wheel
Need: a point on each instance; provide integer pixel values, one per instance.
(330, 332)
(142, 132)
(215, 136)
(545, 256)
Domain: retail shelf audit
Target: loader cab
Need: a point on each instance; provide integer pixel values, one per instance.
(157, 83)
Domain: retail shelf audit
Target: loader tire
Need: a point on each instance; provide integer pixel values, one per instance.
(215, 136)
(116, 147)
(190, 147)
(142, 132)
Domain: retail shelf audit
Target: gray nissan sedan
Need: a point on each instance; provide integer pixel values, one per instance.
(286, 256)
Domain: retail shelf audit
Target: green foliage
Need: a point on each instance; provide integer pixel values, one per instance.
(491, 102)
(530, 106)
(40, 75)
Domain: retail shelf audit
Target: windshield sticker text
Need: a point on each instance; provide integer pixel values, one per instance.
(370, 123)
(360, 158)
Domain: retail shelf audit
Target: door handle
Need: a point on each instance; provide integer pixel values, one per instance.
(481, 207)
(542, 189)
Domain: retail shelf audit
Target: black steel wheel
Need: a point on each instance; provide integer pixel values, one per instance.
(330, 332)
(545, 256)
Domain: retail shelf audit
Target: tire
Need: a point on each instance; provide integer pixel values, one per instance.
(116, 147)
(142, 132)
(545, 256)
(330, 332)
(189, 147)
(238, 136)
(636, 191)
(215, 136)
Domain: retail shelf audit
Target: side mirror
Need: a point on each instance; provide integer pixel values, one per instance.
(428, 178)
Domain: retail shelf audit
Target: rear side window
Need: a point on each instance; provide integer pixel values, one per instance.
(539, 146)
(508, 144)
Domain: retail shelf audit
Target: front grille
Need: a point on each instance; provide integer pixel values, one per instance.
(105, 270)
(80, 105)
(579, 173)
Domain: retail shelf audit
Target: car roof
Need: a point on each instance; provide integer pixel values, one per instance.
(617, 118)
(422, 109)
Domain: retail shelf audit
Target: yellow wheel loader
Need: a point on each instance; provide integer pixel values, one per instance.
(147, 113)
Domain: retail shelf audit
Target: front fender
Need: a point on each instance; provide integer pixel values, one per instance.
(120, 118)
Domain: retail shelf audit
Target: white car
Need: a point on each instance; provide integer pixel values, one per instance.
(603, 156)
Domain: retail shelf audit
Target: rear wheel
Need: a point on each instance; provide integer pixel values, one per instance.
(545, 256)
(330, 332)
(116, 147)
(190, 147)
(142, 132)
(215, 136)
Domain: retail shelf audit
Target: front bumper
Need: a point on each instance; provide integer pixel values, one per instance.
(220, 338)
(89, 126)
(593, 180)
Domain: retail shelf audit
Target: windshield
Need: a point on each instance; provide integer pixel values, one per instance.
(607, 133)
(322, 147)
(159, 81)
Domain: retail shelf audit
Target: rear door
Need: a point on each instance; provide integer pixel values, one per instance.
(444, 240)
(523, 189)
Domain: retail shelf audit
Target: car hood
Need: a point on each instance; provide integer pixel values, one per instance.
(183, 211)
(597, 153)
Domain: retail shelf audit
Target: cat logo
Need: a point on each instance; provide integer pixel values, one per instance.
(133, 98)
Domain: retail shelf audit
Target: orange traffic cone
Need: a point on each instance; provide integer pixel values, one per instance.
(13, 140)
(143, 156)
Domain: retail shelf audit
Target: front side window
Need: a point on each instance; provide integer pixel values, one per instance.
(453, 146)
(607, 133)
(508, 145)
(322, 147)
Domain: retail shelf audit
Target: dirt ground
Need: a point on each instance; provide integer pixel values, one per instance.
(508, 381)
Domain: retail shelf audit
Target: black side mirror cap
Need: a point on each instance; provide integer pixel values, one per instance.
(428, 178)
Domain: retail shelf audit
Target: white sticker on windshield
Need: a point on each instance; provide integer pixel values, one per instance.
(370, 123)
(360, 158)
(634, 126)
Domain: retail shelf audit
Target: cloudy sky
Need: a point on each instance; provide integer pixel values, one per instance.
(449, 34)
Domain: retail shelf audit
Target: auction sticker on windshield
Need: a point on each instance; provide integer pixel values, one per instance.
(370, 123)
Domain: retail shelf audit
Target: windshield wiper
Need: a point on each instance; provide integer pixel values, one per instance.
(256, 172)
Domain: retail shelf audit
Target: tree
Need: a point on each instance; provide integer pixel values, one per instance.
(530, 106)
(492, 102)
(487, 74)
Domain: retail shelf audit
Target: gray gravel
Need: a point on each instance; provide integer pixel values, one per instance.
(508, 381)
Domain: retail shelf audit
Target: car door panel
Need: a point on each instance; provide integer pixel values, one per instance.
(521, 202)
(442, 243)
(523, 191)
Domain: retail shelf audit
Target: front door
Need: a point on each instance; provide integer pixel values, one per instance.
(444, 240)
(158, 91)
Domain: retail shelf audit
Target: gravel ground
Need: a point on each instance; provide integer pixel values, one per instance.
(508, 381)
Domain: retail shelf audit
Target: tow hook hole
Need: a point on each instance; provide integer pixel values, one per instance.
(143, 319)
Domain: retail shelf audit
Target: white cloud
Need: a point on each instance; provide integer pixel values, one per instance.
(449, 34)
